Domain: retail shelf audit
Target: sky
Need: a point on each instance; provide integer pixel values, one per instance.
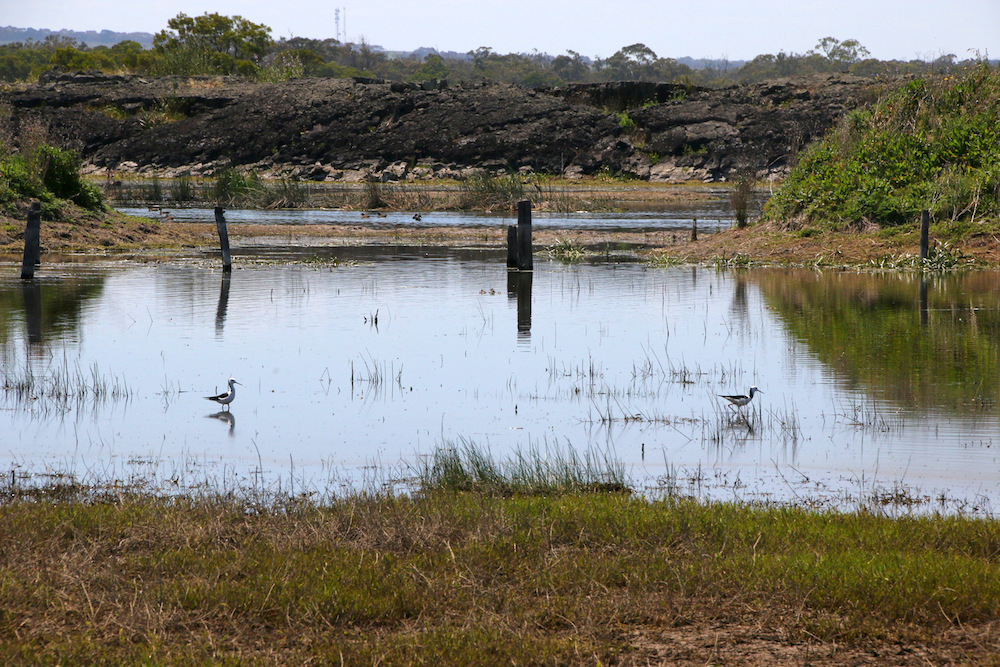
(729, 29)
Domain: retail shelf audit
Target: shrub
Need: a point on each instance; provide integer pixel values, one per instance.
(47, 173)
(930, 144)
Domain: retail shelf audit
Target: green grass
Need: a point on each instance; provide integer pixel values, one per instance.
(474, 568)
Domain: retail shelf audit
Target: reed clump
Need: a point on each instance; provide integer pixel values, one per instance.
(556, 471)
(246, 189)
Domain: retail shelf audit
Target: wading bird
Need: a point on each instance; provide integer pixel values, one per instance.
(225, 398)
(739, 400)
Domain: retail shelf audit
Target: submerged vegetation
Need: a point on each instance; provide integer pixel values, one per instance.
(932, 144)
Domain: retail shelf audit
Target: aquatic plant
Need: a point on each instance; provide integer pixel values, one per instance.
(487, 191)
(61, 384)
(566, 251)
(466, 466)
(940, 257)
(246, 189)
(737, 261)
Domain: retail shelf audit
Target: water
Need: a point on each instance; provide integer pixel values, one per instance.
(872, 383)
(710, 214)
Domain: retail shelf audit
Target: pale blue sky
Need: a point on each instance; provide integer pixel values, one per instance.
(734, 29)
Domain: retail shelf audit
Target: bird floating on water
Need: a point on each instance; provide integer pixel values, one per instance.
(226, 397)
(417, 216)
(739, 400)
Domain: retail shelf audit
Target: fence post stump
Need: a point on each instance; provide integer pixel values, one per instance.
(525, 262)
(925, 222)
(32, 242)
(511, 246)
(694, 229)
(220, 223)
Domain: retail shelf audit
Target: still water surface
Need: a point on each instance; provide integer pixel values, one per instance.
(870, 381)
(712, 215)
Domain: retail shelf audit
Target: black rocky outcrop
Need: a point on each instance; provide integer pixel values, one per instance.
(351, 129)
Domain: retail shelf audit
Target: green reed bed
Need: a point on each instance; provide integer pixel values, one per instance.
(458, 573)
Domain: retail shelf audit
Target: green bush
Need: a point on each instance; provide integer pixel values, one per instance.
(47, 174)
(931, 144)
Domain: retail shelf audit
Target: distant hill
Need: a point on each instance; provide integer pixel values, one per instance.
(9, 34)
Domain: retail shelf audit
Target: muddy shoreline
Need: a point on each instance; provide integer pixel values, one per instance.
(114, 234)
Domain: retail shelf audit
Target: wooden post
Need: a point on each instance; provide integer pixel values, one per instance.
(925, 222)
(511, 246)
(220, 223)
(525, 262)
(32, 242)
(694, 229)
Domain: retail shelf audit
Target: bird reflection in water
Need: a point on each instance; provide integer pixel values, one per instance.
(225, 416)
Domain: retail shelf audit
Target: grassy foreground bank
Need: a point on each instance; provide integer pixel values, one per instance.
(472, 578)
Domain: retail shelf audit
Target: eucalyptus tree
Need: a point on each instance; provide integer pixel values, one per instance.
(210, 44)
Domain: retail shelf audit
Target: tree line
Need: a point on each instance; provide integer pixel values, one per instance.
(232, 45)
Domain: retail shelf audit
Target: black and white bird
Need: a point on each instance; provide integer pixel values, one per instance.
(226, 397)
(739, 400)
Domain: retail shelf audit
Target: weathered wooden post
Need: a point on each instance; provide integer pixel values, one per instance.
(220, 223)
(32, 242)
(525, 261)
(511, 246)
(694, 229)
(925, 223)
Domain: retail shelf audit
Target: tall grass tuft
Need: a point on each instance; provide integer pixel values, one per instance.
(741, 196)
(246, 189)
(485, 191)
(373, 194)
(469, 467)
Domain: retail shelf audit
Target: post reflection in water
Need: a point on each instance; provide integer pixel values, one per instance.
(220, 311)
(32, 293)
(519, 287)
(923, 301)
(52, 308)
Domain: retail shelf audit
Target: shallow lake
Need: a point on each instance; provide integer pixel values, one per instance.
(877, 384)
(712, 214)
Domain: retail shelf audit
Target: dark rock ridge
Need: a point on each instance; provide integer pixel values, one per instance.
(343, 129)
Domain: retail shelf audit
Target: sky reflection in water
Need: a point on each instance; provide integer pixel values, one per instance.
(382, 358)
